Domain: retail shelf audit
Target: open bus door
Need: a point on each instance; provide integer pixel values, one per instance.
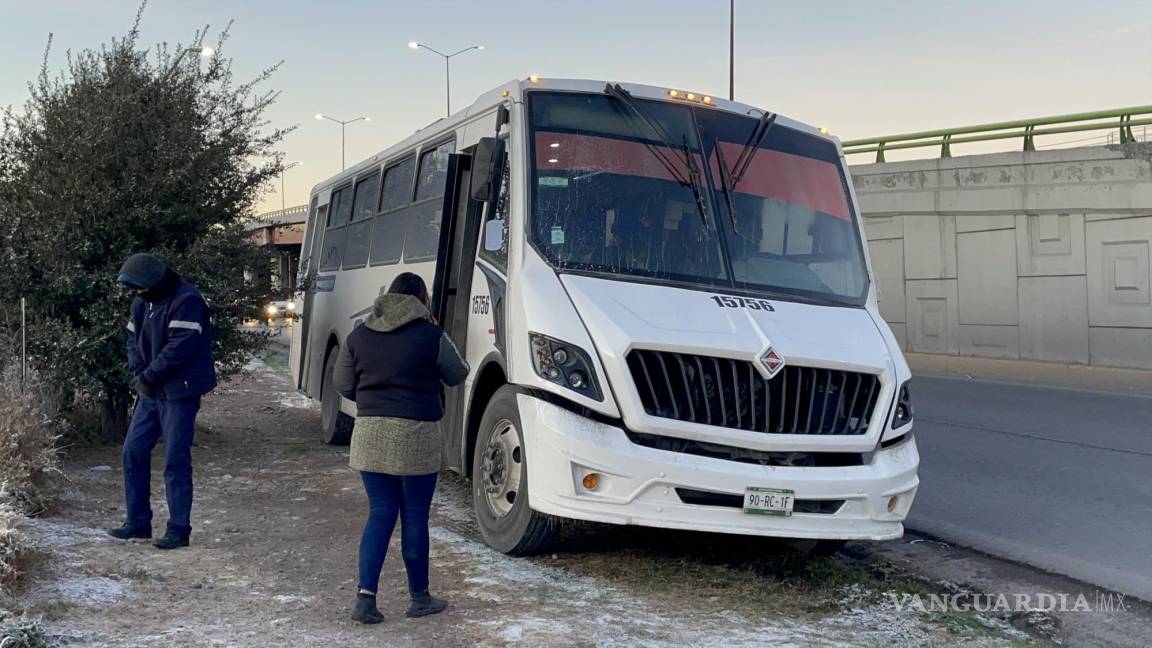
(451, 288)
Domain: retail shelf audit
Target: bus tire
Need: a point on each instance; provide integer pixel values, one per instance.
(336, 426)
(500, 482)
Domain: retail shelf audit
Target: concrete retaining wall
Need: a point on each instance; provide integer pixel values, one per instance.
(1041, 255)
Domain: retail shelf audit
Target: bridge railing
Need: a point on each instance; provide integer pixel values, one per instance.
(293, 214)
(1121, 119)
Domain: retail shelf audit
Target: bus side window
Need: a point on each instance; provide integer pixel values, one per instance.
(359, 232)
(388, 230)
(422, 234)
(499, 211)
(339, 213)
(304, 264)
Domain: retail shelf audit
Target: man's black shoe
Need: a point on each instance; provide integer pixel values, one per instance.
(170, 541)
(130, 533)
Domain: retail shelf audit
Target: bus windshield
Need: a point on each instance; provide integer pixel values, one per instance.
(611, 194)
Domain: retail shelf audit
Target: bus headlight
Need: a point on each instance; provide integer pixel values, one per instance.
(564, 364)
(904, 410)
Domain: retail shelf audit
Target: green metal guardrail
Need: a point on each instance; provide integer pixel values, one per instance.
(1029, 129)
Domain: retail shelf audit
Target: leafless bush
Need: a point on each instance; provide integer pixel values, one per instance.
(13, 543)
(29, 420)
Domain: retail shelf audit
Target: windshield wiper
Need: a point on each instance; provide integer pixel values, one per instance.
(726, 185)
(729, 178)
(617, 92)
(751, 147)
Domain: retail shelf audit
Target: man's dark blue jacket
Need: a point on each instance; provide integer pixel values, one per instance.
(170, 340)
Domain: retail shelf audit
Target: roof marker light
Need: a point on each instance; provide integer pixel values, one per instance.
(673, 94)
(534, 78)
(707, 99)
(823, 130)
(690, 97)
(505, 93)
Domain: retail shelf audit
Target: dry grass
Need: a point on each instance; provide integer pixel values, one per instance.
(19, 631)
(13, 544)
(28, 458)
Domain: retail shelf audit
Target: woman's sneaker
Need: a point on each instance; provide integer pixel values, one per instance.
(424, 604)
(365, 610)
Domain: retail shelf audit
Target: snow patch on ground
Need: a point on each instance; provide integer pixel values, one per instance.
(609, 616)
(296, 401)
(51, 533)
(83, 590)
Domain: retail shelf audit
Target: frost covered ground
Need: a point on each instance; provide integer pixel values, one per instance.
(273, 557)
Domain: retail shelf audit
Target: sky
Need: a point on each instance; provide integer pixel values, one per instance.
(860, 68)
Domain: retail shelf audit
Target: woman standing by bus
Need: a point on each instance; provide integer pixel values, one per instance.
(393, 367)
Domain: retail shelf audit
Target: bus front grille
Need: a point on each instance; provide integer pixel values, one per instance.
(731, 393)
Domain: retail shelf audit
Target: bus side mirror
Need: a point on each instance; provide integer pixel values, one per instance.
(494, 235)
(487, 164)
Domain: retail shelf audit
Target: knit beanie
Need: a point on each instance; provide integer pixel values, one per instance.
(142, 271)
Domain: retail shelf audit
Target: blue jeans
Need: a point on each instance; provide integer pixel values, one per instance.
(389, 496)
(175, 420)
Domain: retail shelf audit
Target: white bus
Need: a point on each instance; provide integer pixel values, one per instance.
(666, 304)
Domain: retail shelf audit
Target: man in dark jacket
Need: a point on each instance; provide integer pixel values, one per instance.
(170, 356)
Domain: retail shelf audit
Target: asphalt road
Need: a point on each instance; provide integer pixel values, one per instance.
(1053, 477)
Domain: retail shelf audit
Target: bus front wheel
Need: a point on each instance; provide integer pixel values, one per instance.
(335, 425)
(500, 482)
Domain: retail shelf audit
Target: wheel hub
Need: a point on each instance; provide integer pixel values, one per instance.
(502, 468)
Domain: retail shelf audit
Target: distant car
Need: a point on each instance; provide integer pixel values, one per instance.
(282, 308)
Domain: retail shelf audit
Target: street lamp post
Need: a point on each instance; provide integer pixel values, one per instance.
(731, 50)
(283, 204)
(447, 69)
(342, 123)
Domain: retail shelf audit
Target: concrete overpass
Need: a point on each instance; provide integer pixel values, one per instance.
(1041, 255)
(282, 230)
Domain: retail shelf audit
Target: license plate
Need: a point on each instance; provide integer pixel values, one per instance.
(768, 501)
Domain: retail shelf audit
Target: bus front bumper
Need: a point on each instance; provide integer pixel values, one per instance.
(648, 487)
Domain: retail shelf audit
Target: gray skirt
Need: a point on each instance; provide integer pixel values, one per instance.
(396, 446)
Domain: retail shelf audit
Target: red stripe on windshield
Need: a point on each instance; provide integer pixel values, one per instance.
(789, 178)
(569, 152)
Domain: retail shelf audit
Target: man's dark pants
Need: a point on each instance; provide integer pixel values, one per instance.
(175, 420)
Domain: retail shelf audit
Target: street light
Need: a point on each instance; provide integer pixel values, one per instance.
(731, 50)
(447, 69)
(342, 123)
(290, 166)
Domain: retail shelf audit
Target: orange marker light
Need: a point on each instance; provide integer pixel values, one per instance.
(690, 97)
(505, 93)
(591, 481)
(707, 99)
(673, 94)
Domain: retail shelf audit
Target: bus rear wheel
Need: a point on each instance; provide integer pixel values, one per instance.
(500, 482)
(336, 426)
